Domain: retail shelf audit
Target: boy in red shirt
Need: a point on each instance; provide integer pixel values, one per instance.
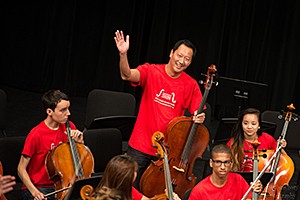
(42, 138)
(222, 184)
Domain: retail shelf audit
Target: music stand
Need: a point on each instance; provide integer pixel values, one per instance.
(223, 133)
(234, 95)
(74, 191)
(248, 176)
(124, 123)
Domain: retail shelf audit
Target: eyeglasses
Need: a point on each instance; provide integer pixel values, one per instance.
(218, 163)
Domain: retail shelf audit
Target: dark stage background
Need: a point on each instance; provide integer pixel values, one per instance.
(69, 45)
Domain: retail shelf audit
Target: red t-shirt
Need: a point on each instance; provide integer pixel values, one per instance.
(234, 189)
(38, 142)
(136, 195)
(164, 98)
(267, 142)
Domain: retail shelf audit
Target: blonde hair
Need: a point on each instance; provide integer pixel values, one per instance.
(106, 193)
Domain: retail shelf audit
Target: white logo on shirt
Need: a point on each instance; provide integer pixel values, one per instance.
(52, 146)
(165, 99)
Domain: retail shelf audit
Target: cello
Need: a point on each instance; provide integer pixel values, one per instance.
(185, 141)
(255, 145)
(87, 191)
(67, 163)
(157, 141)
(282, 166)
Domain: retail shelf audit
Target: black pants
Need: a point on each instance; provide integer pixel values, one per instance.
(26, 195)
(143, 161)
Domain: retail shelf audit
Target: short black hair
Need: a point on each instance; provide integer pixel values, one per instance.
(186, 43)
(221, 148)
(52, 97)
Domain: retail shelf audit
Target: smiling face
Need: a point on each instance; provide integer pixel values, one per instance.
(180, 59)
(250, 126)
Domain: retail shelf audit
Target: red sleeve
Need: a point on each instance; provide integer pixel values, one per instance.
(229, 142)
(268, 141)
(143, 69)
(136, 195)
(30, 144)
(273, 143)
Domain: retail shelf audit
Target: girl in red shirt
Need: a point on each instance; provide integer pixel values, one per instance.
(246, 131)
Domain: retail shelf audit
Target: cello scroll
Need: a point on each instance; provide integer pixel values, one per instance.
(210, 75)
(157, 141)
(86, 192)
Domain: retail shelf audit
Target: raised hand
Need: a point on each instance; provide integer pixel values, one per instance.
(121, 43)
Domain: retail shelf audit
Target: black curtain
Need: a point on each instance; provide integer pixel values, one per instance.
(69, 44)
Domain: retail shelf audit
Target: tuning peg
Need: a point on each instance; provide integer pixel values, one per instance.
(295, 117)
(214, 82)
(201, 82)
